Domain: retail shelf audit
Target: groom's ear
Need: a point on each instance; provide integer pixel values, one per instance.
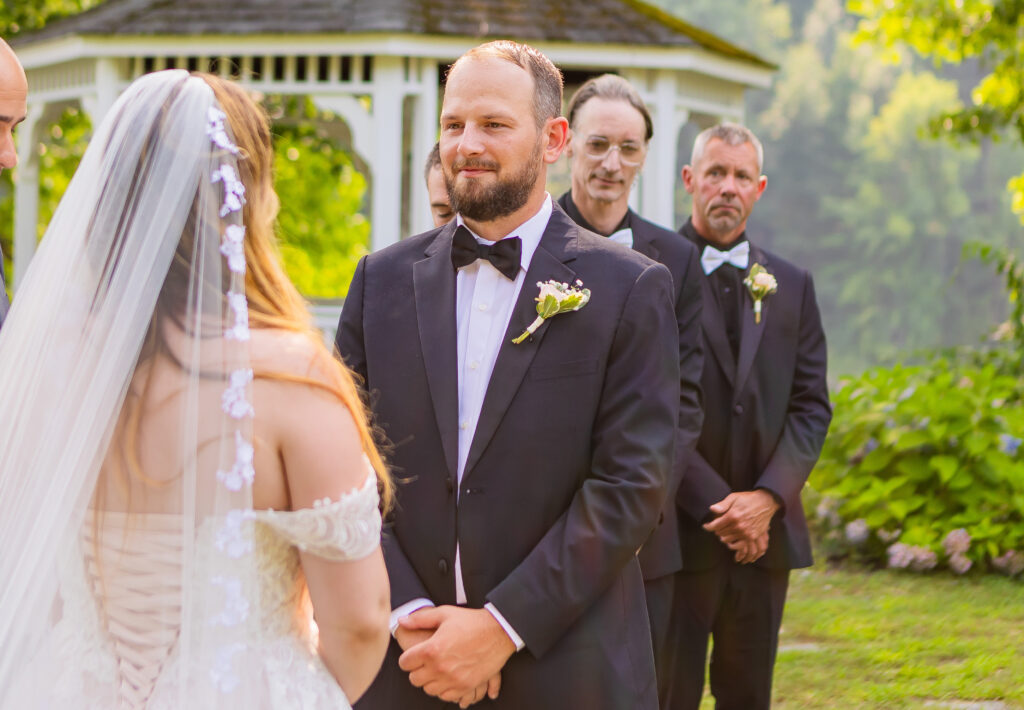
(555, 136)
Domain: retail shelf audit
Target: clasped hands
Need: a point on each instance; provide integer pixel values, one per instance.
(454, 653)
(741, 523)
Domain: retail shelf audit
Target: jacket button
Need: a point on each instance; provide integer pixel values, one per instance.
(442, 566)
(450, 484)
(738, 409)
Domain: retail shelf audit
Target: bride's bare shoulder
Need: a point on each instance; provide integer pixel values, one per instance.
(290, 353)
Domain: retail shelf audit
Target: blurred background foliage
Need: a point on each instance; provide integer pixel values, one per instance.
(322, 232)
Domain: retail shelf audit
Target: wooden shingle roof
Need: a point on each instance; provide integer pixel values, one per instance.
(622, 22)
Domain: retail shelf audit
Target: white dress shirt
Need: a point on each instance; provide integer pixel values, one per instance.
(484, 300)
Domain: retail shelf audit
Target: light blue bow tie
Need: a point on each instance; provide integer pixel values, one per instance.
(738, 256)
(623, 236)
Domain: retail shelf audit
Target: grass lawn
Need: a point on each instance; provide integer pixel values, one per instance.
(882, 639)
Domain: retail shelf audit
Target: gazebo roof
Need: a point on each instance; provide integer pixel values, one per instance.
(622, 22)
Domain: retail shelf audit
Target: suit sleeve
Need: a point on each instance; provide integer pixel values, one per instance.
(809, 412)
(349, 337)
(700, 488)
(617, 506)
(691, 365)
(405, 583)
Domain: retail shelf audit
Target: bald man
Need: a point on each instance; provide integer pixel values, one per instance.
(13, 106)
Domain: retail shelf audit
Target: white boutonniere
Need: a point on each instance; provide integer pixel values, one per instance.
(555, 298)
(760, 284)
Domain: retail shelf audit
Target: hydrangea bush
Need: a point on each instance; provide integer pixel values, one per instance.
(923, 467)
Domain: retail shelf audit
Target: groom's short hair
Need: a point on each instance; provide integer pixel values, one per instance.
(547, 79)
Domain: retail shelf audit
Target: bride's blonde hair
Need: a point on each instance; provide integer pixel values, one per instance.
(273, 300)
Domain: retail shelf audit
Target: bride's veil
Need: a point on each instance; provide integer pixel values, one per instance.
(126, 420)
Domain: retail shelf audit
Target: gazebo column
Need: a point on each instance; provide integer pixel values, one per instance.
(388, 92)
(107, 87)
(657, 188)
(26, 193)
(424, 121)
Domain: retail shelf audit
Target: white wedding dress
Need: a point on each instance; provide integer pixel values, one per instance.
(113, 651)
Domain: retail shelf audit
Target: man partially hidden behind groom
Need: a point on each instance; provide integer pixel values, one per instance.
(534, 470)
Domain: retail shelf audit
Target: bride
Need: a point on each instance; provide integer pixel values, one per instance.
(189, 489)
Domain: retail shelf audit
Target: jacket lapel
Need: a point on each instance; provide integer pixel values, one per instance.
(750, 331)
(557, 246)
(713, 323)
(712, 320)
(641, 240)
(434, 286)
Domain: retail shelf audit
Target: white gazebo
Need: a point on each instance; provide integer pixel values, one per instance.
(378, 65)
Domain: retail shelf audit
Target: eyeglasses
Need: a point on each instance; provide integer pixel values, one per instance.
(630, 153)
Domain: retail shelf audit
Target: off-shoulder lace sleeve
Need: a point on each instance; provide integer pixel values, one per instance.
(341, 530)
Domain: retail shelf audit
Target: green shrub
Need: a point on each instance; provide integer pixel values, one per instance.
(923, 466)
(321, 231)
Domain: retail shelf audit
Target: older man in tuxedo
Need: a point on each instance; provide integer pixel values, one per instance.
(13, 107)
(611, 130)
(535, 466)
(765, 418)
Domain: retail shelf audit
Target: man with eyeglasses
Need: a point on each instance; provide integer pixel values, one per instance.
(610, 133)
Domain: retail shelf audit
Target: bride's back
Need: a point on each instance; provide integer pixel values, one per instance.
(293, 383)
(177, 391)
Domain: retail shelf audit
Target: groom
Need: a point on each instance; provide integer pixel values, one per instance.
(534, 471)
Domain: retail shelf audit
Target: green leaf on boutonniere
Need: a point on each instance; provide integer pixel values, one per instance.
(554, 298)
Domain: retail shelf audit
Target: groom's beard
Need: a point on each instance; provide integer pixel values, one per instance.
(506, 195)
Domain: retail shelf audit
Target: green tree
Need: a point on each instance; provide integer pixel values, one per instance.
(908, 207)
(322, 232)
(989, 32)
(29, 15)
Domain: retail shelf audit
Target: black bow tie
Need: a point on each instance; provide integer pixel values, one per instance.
(503, 254)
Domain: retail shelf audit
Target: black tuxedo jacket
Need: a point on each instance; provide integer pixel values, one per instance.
(662, 554)
(765, 417)
(566, 472)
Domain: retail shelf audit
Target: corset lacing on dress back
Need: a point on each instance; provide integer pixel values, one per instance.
(134, 575)
(134, 567)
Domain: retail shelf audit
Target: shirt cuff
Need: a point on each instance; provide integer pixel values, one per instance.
(405, 610)
(520, 645)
